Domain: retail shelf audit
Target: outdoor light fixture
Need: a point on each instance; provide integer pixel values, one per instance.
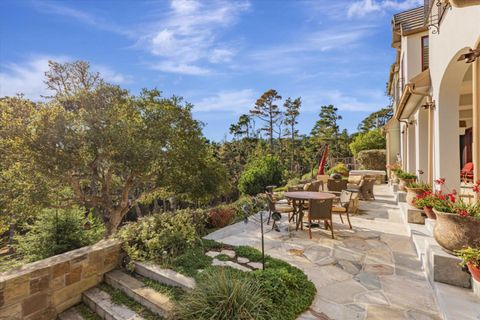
(275, 216)
(470, 56)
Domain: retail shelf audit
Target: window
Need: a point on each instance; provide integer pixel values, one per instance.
(424, 53)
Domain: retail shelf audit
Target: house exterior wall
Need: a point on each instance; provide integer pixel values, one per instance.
(459, 30)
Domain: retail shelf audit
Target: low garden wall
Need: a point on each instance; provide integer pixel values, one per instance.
(42, 289)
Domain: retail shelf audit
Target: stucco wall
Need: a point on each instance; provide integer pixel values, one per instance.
(459, 30)
(412, 50)
(42, 289)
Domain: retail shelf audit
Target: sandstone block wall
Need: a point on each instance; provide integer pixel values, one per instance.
(43, 289)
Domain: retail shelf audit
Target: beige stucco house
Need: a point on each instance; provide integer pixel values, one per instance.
(435, 87)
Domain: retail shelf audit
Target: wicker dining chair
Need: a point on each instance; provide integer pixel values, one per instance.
(313, 186)
(343, 206)
(336, 185)
(320, 210)
(272, 207)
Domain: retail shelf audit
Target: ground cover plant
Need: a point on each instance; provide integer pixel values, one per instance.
(280, 292)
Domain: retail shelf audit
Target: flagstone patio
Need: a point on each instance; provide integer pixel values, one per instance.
(370, 272)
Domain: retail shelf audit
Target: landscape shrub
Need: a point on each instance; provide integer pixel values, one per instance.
(56, 231)
(221, 216)
(372, 159)
(160, 237)
(370, 140)
(260, 173)
(224, 295)
(339, 168)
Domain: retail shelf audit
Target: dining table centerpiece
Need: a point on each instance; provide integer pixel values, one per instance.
(458, 221)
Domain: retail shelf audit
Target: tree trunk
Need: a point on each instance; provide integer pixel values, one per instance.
(293, 149)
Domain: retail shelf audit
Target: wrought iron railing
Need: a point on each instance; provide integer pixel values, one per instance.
(434, 11)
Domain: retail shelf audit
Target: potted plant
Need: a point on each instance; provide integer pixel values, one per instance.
(405, 178)
(471, 258)
(458, 222)
(395, 169)
(414, 189)
(426, 201)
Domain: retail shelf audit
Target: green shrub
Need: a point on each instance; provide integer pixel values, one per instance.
(406, 175)
(370, 140)
(160, 237)
(339, 168)
(260, 173)
(372, 159)
(225, 295)
(56, 231)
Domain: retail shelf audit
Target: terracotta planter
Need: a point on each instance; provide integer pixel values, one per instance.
(474, 271)
(454, 232)
(463, 3)
(429, 212)
(403, 183)
(412, 193)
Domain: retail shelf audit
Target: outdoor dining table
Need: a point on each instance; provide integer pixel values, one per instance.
(300, 197)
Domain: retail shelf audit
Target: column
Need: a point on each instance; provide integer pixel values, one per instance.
(421, 144)
(411, 145)
(476, 120)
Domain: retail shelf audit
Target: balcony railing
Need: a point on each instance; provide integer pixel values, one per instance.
(434, 11)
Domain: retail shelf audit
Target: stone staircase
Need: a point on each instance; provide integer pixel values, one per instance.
(456, 292)
(104, 306)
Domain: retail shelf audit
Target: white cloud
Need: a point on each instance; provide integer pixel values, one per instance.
(234, 101)
(181, 68)
(364, 101)
(365, 7)
(189, 34)
(26, 78)
(58, 9)
(29, 76)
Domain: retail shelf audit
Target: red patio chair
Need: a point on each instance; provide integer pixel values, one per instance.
(467, 172)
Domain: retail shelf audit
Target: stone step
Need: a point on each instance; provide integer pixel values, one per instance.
(165, 276)
(70, 314)
(412, 214)
(101, 303)
(153, 300)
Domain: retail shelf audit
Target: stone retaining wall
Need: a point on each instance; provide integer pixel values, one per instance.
(42, 289)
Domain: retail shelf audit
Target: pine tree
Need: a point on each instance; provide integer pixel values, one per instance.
(266, 110)
(292, 111)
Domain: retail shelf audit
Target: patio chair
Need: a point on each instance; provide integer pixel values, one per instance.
(365, 189)
(320, 210)
(343, 206)
(354, 181)
(313, 186)
(272, 207)
(467, 172)
(336, 185)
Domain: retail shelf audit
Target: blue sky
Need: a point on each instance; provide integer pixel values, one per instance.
(219, 55)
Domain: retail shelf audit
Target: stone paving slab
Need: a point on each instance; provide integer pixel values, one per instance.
(369, 272)
(165, 276)
(101, 303)
(70, 314)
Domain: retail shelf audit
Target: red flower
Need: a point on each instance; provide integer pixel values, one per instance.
(440, 181)
(452, 197)
(476, 187)
(463, 213)
(454, 191)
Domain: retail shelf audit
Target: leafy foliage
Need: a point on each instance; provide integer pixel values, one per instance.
(369, 140)
(160, 237)
(469, 255)
(372, 159)
(338, 168)
(406, 175)
(221, 216)
(260, 173)
(376, 120)
(55, 231)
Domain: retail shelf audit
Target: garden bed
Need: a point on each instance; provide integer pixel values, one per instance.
(281, 291)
